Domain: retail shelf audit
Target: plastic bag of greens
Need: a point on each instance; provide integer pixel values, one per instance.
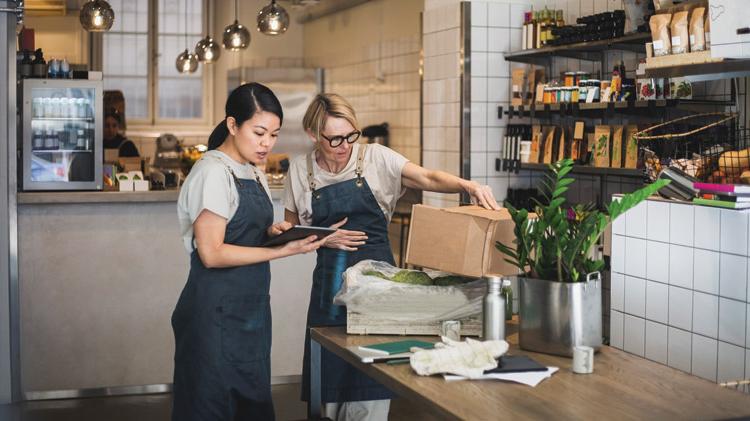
(378, 289)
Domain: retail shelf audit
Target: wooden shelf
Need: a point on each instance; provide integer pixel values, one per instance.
(727, 69)
(589, 170)
(600, 109)
(590, 51)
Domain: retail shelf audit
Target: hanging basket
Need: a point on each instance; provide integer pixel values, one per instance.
(695, 144)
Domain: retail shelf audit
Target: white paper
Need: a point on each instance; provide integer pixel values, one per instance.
(529, 378)
(676, 41)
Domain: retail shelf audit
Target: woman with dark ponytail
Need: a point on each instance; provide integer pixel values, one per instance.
(222, 321)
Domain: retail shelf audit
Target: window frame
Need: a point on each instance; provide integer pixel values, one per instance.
(153, 122)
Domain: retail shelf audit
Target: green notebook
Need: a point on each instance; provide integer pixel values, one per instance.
(398, 347)
(721, 203)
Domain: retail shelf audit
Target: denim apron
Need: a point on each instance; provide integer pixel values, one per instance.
(352, 199)
(222, 326)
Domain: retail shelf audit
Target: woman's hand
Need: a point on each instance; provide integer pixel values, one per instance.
(481, 195)
(278, 228)
(305, 245)
(344, 239)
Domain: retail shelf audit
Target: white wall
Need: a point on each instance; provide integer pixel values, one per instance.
(371, 56)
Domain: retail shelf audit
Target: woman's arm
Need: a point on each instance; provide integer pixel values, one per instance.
(416, 177)
(341, 239)
(209, 229)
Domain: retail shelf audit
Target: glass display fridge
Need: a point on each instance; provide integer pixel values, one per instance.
(61, 135)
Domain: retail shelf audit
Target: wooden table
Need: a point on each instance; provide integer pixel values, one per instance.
(623, 386)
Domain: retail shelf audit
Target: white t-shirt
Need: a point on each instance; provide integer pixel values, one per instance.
(210, 186)
(382, 170)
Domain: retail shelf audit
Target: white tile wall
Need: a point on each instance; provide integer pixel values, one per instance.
(635, 258)
(657, 262)
(693, 306)
(617, 285)
(706, 267)
(706, 314)
(731, 362)
(656, 342)
(680, 269)
(657, 221)
(679, 349)
(616, 328)
(681, 223)
(634, 335)
(657, 301)
(733, 276)
(734, 232)
(680, 308)
(707, 228)
(732, 319)
(635, 296)
(705, 351)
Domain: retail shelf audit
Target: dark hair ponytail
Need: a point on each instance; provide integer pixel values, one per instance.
(242, 104)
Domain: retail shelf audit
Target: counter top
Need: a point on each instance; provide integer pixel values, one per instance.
(74, 197)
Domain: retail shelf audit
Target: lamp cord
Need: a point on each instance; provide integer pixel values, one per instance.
(236, 13)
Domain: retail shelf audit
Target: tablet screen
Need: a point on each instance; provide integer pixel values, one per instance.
(299, 232)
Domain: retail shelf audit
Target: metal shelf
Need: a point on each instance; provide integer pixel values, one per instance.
(727, 69)
(590, 51)
(589, 170)
(89, 119)
(600, 109)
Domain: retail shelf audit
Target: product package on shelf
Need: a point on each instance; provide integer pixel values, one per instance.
(561, 144)
(601, 146)
(536, 140)
(549, 143)
(616, 161)
(575, 149)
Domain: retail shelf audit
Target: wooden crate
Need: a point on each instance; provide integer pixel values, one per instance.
(361, 324)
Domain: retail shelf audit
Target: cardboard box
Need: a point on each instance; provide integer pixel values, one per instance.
(460, 240)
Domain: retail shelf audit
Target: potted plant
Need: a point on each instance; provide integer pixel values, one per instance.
(560, 289)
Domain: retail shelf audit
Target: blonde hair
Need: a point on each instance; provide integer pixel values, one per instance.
(324, 106)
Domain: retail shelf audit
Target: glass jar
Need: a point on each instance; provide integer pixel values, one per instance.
(570, 79)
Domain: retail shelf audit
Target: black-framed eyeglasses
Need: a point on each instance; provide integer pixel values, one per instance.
(336, 141)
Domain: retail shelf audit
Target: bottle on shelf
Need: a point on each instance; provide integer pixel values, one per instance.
(538, 29)
(50, 140)
(81, 141)
(543, 24)
(37, 140)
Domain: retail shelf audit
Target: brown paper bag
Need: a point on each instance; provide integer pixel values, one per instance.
(549, 144)
(602, 137)
(575, 146)
(631, 147)
(536, 141)
(616, 161)
(562, 145)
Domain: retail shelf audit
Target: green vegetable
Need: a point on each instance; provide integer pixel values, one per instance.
(122, 177)
(413, 277)
(451, 280)
(136, 177)
(376, 274)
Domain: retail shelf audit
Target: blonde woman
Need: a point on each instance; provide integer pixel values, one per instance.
(353, 187)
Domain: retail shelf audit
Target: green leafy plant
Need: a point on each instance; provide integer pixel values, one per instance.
(556, 244)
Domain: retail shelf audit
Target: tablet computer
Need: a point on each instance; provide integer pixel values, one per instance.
(299, 232)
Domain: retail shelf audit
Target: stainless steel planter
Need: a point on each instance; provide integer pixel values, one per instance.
(555, 316)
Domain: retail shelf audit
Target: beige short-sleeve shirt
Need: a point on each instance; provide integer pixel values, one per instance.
(382, 168)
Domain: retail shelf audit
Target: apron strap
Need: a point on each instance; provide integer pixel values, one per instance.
(361, 160)
(310, 177)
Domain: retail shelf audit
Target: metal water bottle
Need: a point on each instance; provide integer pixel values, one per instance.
(493, 322)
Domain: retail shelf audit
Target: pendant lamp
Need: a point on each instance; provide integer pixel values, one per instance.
(236, 37)
(207, 49)
(273, 19)
(97, 16)
(186, 62)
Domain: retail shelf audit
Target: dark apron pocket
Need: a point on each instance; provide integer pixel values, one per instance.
(245, 327)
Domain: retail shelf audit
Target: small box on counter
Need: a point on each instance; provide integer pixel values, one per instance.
(460, 240)
(125, 182)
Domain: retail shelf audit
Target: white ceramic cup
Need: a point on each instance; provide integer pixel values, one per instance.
(583, 360)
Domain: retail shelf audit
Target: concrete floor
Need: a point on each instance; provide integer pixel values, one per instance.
(157, 408)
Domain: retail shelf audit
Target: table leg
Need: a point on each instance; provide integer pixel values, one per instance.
(315, 380)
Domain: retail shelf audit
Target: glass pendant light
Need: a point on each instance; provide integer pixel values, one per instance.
(273, 19)
(186, 62)
(97, 16)
(236, 36)
(207, 49)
